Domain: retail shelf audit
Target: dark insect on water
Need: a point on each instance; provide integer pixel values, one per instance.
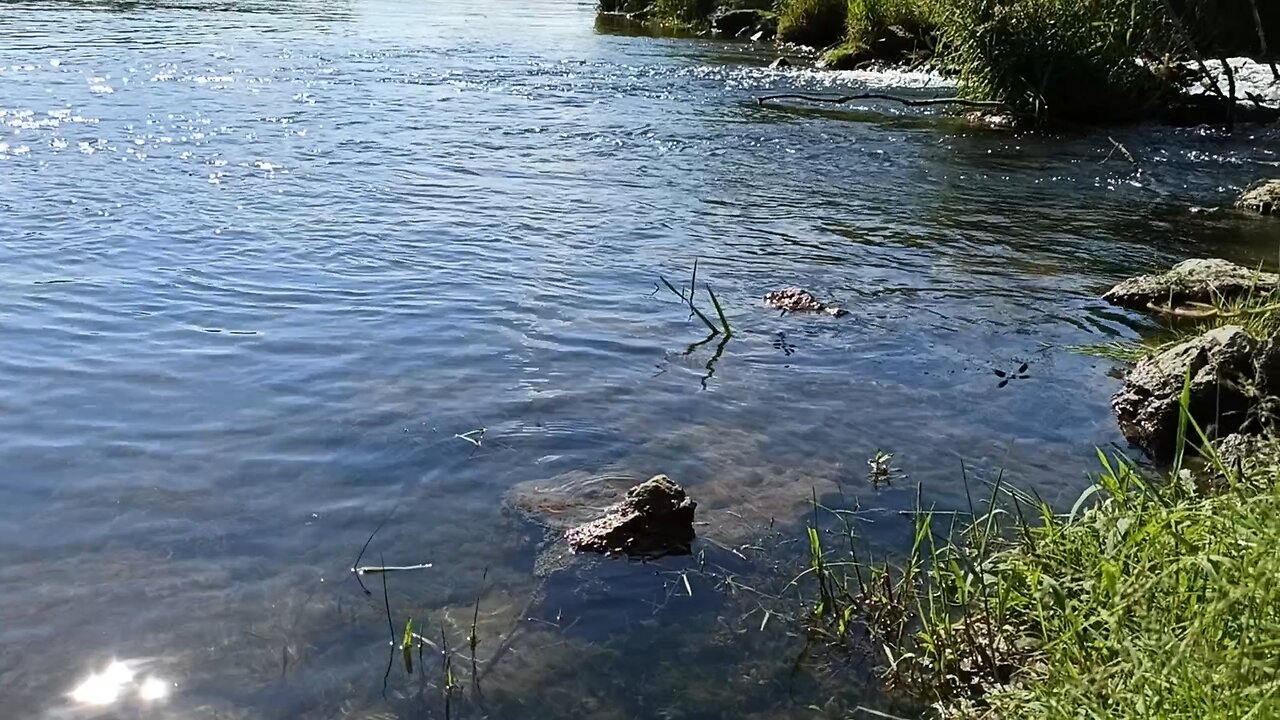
(780, 343)
(1005, 377)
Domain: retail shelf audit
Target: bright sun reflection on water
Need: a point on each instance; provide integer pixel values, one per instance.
(153, 689)
(116, 681)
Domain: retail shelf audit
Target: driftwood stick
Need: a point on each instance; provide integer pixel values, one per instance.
(1262, 41)
(881, 96)
(1209, 82)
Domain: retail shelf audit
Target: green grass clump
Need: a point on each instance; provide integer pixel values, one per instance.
(1149, 599)
(890, 29)
(1155, 602)
(818, 23)
(684, 12)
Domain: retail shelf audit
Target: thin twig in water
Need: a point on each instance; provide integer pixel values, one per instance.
(386, 601)
(391, 653)
(910, 102)
(1231, 86)
(374, 569)
(1115, 145)
(1210, 83)
(1262, 40)
(475, 637)
(356, 564)
(467, 436)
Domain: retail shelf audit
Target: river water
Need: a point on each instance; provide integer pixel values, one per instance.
(268, 267)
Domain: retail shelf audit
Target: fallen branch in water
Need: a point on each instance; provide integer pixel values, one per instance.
(881, 96)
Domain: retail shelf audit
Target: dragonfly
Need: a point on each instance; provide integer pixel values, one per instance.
(1005, 377)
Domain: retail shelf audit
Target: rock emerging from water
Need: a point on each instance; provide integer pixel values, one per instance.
(1201, 280)
(1262, 197)
(796, 300)
(1229, 372)
(654, 519)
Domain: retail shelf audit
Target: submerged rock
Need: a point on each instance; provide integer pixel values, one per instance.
(1262, 197)
(655, 518)
(780, 63)
(1223, 366)
(1200, 280)
(794, 299)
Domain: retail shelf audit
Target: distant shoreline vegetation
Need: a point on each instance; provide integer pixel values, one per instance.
(1060, 61)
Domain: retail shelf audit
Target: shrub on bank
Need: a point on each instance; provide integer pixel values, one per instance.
(1074, 60)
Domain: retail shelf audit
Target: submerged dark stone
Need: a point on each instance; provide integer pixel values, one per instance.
(655, 518)
(1200, 280)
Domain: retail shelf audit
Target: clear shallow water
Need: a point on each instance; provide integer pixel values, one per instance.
(261, 263)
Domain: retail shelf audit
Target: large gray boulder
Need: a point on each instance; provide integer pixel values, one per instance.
(1223, 365)
(1202, 280)
(655, 518)
(1262, 197)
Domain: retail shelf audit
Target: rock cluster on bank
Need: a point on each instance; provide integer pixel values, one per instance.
(1226, 373)
(1201, 280)
(1262, 197)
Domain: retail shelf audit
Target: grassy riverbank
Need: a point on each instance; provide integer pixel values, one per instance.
(1151, 598)
(1079, 61)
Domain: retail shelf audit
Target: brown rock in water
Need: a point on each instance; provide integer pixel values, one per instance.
(796, 300)
(654, 519)
(1262, 197)
(1200, 280)
(1224, 366)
